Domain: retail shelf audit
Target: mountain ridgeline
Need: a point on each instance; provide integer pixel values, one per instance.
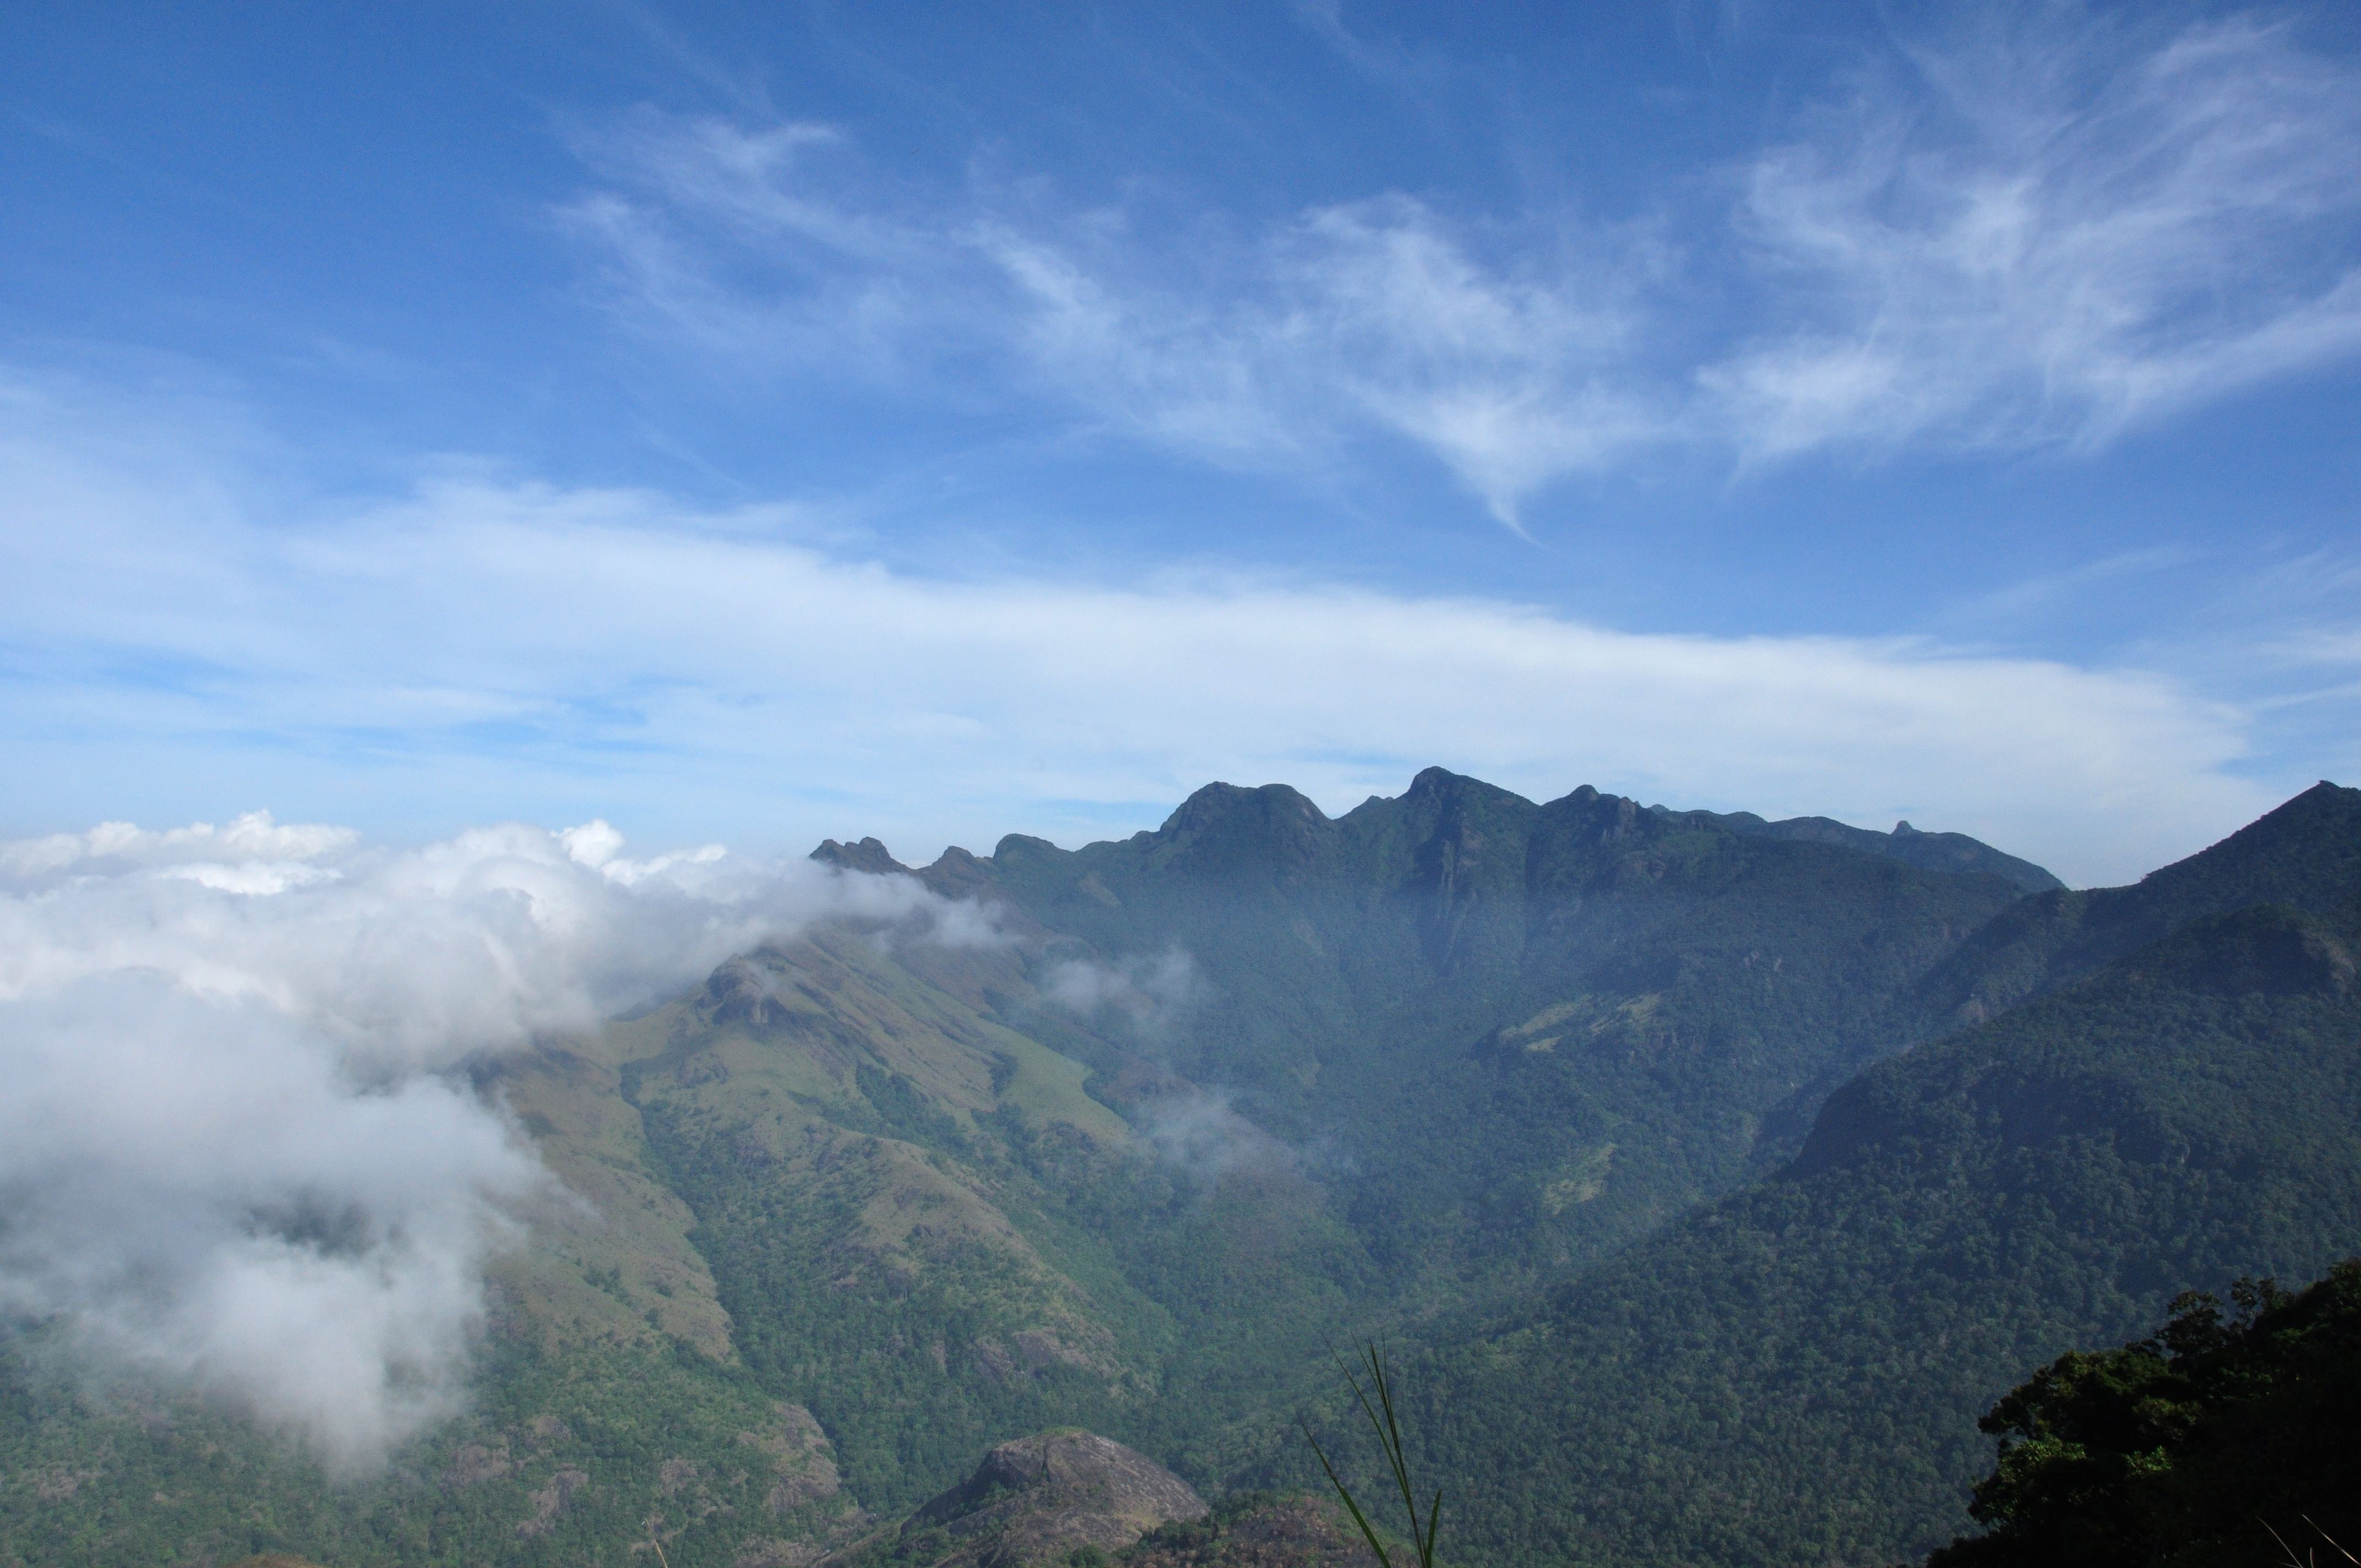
(1712, 1176)
(1456, 983)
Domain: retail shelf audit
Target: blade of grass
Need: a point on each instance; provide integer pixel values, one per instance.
(1390, 1437)
(2331, 1540)
(1387, 1425)
(1397, 1454)
(1345, 1493)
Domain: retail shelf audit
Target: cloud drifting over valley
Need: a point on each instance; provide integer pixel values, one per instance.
(1151, 994)
(235, 1153)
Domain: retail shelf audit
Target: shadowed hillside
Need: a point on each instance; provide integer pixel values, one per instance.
(1795, 1373)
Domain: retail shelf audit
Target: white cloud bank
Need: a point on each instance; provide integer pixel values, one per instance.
(179, 636)
(233, 1153)
(2036, 232)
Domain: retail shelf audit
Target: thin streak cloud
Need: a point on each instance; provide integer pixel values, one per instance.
(2055, 242)
(2040, 233)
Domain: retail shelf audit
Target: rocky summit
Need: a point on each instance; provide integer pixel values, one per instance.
(1039, 1500)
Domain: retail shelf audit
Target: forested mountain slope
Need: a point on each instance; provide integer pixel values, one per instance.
(1242, 1084)
(1535, 1030)
(862, 1204)
(1794, 1375)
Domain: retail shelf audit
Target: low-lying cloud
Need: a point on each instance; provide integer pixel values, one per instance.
(1203, 1134)
(233, 1153)
(1153, 994)
(1199, 1131)
(201, 1194)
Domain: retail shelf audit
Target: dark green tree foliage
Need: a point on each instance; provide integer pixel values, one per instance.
(2191, 1448)
(563, 1464)
(1794, 1375)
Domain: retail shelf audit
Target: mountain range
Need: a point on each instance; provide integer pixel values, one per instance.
(1711, 1174)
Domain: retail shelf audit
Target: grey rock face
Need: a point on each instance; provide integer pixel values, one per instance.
(1036, 1498)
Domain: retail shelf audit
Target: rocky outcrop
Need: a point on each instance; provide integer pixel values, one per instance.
(1036, 1501)
(1266, 1532)
(800, 1456)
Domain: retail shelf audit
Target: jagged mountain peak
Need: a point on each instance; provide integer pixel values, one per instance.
(1443, 802)
(869, 855)
(1442, 784)
(1018, 846)
(1598, 816)
(1223, 827)
(1217, 806)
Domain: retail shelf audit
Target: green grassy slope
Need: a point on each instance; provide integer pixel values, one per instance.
(925, 1229)
(853, 1144)
(566, 1457)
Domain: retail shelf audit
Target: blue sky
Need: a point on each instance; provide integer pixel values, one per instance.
(753, 423)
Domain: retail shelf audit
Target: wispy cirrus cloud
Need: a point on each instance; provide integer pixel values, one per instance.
(1373, 315)
(726, 237)
(2058, 240)
(2039, 234)
(1271, 350)
(2041, 593)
